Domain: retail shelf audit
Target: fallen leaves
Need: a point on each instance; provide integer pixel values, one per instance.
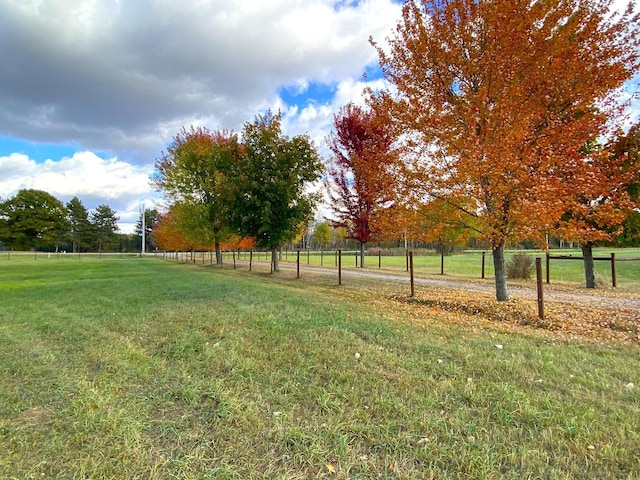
(595, 322)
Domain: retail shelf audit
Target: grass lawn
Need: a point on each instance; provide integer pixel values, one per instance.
(143, 369)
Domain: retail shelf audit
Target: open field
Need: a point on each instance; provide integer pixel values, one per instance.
(138, 368)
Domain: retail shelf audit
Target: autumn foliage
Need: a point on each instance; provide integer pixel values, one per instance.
(496, 100)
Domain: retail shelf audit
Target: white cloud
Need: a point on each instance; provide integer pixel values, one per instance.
(317, 119)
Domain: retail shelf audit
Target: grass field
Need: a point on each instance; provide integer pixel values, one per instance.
(142, 369)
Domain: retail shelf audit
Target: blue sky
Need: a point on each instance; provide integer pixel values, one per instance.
(92, 90)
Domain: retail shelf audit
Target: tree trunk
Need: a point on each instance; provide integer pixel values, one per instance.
(274, 259)
(362, 255)
(502, 294)
(589, 273)
(218, 252)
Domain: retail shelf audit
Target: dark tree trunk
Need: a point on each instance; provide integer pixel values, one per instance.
(502, 294)
(362, 255)
(218, 252)
(274, 259)
(589, 272)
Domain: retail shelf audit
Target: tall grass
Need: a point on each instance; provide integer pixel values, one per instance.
(136, 368)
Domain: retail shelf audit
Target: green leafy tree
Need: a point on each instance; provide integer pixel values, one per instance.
(631, 235)
(193, 172)
(32, 219)
(104, 224)
(269, 200)
(322, 234)
(80, 227)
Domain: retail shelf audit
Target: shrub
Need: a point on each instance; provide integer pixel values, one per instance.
(520, 266)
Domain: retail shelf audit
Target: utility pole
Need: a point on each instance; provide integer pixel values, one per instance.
(142, 252)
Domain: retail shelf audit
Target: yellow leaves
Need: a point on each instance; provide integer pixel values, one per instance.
(331, 468)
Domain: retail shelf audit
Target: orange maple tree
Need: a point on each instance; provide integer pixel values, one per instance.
(235, 242)
(495, 99)
(359, 177)
(169, 235)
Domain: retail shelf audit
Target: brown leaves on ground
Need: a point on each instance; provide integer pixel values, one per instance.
(561, 319)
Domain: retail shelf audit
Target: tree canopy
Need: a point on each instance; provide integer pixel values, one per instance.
(81, 229)
(104, 223)
(31, 219)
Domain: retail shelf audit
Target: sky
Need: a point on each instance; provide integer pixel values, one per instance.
(91, 91)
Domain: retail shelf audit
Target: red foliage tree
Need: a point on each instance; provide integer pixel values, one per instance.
(359, 177)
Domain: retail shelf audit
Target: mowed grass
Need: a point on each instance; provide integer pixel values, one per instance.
(139, 368)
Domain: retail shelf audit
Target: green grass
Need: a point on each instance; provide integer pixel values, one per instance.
(138, 368)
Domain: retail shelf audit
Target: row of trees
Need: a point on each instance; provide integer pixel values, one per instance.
(500, 121)
(224, 188)
(35, 219)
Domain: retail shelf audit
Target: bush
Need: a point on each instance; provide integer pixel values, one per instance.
(520, 266)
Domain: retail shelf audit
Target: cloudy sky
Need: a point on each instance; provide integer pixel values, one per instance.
(92, 90)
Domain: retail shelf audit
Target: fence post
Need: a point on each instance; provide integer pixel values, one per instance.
(356, 258)
(483, 255)
(413, 290)
(298, 264)
(406, 254)
(379, 258)
(234, 259)
(539, 288)
(250, 259)
(308, 256)
(547, 267)
(613, 270)
(442, 263)
(321, 257)
(339, 259)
